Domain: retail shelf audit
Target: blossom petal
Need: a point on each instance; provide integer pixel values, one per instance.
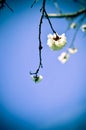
(73, 25)
(72, 50)
(63, 57)
(83, 28)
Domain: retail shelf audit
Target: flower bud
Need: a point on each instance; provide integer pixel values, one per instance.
(56, 42)
(37, 78)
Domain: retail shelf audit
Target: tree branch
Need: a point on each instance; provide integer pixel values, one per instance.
(40, 43)
(67, 15)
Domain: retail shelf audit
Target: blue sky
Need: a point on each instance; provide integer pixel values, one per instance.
(58, 101)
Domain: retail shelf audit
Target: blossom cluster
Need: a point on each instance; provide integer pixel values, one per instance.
(57, 42)
(63, 58)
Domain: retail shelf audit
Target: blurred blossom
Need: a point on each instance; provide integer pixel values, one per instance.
(73, 25)
(83, 28)
(72, 50)
(37, 78)
(56, 42)
(63, 57)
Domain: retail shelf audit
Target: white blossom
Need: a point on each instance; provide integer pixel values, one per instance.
(72, 50)
(37, 78)
(73, 25)
(56, 42)
(83, 28)
(63, 57)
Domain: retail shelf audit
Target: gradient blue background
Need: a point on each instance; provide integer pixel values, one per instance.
(59, 101)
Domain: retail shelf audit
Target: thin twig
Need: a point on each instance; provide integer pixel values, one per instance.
(33, 3)
(49, 22)
(40, 43)
(8, 7)
(66, 15)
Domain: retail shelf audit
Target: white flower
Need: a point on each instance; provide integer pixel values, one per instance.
(56, 42)
(63, 57)
(73, 25)
(72, 50)
(37, 78)
(83, 28)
